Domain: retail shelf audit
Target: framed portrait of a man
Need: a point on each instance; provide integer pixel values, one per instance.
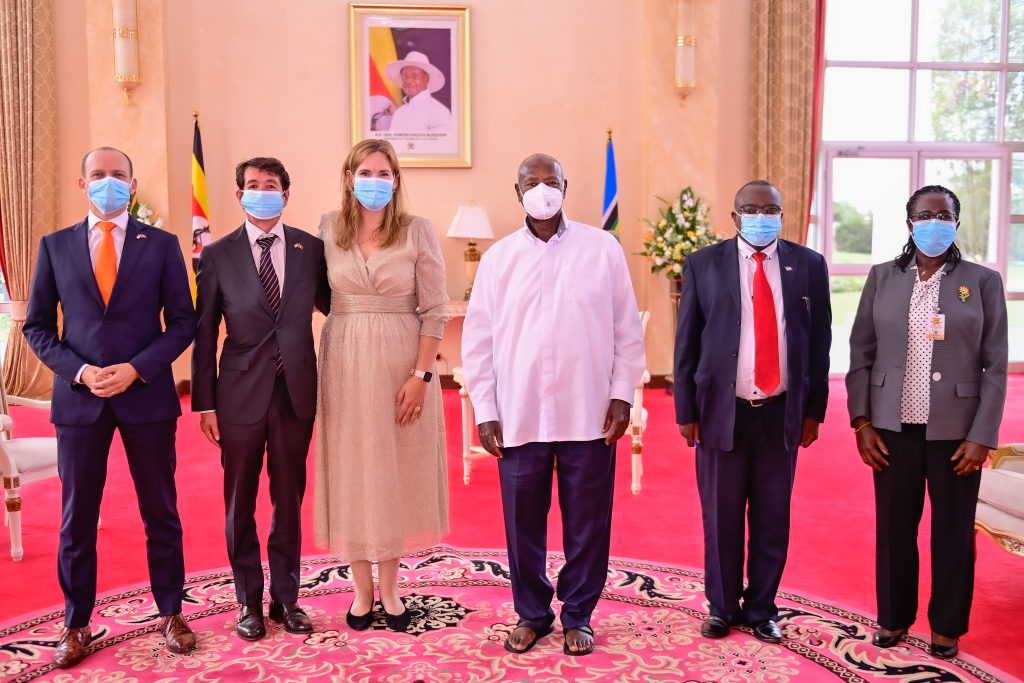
(410, 81)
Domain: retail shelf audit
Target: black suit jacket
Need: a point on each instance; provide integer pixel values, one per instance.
(151, 280)
(708, 339)
(228, 288)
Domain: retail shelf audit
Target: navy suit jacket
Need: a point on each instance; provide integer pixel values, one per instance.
(708, 340)
(151, 279)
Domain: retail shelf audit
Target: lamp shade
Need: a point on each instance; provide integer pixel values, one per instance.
(471, 222)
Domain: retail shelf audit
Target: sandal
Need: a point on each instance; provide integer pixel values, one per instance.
(578, 653)
(537, 635)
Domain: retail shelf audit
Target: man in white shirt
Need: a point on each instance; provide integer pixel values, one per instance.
(552, 349)
(419, 80)
(751, 385)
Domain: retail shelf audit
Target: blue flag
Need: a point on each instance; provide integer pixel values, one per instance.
(610, 206)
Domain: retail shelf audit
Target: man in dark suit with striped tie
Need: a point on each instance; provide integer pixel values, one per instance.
(113, 278)
(751, 370)
(263, 280)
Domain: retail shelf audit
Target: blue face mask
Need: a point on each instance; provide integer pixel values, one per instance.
(263, 205)
(373, 193)
(934, 237)
(109, 194)
(760, 229)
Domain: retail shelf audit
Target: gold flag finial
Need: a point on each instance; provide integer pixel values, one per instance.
(609, 135)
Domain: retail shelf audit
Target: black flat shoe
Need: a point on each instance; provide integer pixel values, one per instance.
(359, 622)
(397, 622)
(292, 616)
(767, 631)
(250, 623)
(714, 627)
(944, 651)
(883, 640)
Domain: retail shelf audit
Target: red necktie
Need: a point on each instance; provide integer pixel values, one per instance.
(766, 331)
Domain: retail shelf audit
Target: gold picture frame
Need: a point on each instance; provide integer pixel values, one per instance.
(423, 111)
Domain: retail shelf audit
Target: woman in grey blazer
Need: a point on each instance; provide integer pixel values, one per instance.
(926, 386)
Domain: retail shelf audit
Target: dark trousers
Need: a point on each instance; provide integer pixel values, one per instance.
(285, 440)
(82, 452)
(586, 482)
(914, 463)
(753, 482)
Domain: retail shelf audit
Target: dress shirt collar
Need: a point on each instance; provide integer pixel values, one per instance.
(255, 233)
(563, 225)
(120, 220)
(418, 98)
(747, 251)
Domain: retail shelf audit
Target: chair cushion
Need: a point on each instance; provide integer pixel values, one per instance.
(31, 453)
(1003, 490)
(994, 518)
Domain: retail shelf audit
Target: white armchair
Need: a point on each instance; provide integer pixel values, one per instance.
(22, 461)
(1000, 512)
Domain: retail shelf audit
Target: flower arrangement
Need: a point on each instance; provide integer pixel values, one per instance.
(143, 212)
(681, 229)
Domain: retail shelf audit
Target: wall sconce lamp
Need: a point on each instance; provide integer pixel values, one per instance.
(126, 45)
(471, 223)
(685, 71)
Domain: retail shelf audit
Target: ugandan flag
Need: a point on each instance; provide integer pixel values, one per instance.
(201, 235)
(610, 206)
(385, 96)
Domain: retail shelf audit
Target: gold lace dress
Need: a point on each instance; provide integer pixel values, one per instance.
(381, 489)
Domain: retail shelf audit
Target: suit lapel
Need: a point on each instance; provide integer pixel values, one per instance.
(82, 259)
(131, 251)
(241, 255)
(729, 267)
(787, 270)
(292, 260)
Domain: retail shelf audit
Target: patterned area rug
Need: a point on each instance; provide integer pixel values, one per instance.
(647, 627)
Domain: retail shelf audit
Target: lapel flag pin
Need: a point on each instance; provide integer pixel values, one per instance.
(297, 246)
(140, 236)
(789, 269)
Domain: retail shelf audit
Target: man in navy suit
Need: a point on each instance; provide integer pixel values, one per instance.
(751, 371)
(112, 278)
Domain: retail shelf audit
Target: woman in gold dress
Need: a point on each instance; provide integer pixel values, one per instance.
(381, 479)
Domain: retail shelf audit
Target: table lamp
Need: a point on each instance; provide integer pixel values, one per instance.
(471, 223)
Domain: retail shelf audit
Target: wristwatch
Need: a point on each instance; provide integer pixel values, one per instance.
(426, 376)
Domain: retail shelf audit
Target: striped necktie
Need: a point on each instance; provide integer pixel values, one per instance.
(268, 278)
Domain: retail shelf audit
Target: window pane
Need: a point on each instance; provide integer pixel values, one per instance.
(1015, 259)
(1017, 184)
(846, 291)
(959, 30)
(956, 106)
(1014, 105)
(866, 104)
(975, 182)
(868, 209)
(1017, 30)
(849, 21)
(1015, 315)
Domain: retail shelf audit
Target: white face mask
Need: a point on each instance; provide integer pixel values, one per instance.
(542, 202)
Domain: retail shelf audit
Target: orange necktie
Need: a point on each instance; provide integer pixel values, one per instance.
(106, 260)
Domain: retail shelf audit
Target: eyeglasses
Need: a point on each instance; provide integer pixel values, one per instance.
(754, 210)
(928, 215)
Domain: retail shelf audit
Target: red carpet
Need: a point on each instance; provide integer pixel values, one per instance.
(831, 555)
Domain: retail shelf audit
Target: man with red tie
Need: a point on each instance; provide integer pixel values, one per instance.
(751, 385)
(113, 279)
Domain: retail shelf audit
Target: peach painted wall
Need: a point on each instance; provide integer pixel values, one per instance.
(547, 76)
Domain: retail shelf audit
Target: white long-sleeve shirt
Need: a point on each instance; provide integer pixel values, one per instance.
(552, 334)
(422, 114)
(745, 385)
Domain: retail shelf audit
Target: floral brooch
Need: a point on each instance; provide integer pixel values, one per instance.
(965, 292)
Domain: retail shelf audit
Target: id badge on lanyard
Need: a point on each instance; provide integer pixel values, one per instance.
(937, 327)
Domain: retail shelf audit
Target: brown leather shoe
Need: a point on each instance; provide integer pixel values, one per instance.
(72, 647)
(178, 635)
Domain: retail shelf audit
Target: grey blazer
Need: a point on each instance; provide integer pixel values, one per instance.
(968, 385)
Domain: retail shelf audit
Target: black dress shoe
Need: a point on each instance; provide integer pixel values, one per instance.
(884, 640)
(359, 622)
(250, 623)
(714, 627)
(767, 631)
(944, 651)
(292, 616)
(397, 622)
